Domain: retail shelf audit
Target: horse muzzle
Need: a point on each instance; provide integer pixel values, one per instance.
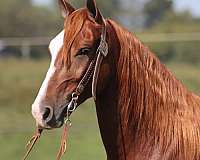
(47, 118)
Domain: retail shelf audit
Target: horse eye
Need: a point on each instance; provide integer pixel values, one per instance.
(84, 51)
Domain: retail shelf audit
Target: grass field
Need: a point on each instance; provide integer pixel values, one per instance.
(19, 83)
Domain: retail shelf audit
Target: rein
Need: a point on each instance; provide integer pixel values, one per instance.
(32, 142)
(93, 70)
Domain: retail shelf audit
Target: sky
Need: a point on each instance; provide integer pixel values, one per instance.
(41, 1)
(192, 5)
(180, 5)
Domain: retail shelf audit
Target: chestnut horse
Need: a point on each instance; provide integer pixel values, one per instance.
(144, 112)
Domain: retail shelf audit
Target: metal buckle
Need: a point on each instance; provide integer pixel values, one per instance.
(73, 104)
(71, 107)
(103, 47)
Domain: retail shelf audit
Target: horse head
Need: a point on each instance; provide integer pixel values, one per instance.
(73, 58)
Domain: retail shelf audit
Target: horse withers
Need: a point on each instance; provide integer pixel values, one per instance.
(144, 112)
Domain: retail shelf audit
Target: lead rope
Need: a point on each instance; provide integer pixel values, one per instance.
(63, 145)
(37, 135)
(32, 142)
(70, 108)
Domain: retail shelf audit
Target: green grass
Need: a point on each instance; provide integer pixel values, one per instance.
(189, 75)
(19, 83)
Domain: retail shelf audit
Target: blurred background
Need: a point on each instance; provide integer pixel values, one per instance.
(171, 28)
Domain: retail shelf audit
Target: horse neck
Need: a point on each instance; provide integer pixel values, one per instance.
(139, 99)
(107, 105)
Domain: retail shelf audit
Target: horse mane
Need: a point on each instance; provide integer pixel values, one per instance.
(153, 104)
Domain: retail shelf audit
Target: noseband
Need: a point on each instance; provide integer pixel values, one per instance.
(93, 70)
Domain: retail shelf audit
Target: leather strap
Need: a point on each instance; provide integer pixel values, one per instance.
(102, 52)
(95, 65)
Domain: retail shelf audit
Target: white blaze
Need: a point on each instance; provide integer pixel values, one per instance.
(54, 47)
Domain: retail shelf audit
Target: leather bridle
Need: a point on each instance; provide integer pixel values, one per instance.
(93, 70)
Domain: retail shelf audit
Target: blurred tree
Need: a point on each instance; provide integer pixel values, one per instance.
(131, 14)
(155, 10)
(108, 8)
(21, 18)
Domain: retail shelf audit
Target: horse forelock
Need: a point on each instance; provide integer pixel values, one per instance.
(153, 101)
(72, 27)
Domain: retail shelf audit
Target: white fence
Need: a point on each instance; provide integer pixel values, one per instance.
(26, 43)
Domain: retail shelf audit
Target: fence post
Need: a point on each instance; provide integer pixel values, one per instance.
(26, 49)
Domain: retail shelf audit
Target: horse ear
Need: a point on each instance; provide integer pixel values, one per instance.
(66, 8)
(94, 11)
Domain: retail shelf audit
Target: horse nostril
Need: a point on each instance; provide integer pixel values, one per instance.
(48, 114)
